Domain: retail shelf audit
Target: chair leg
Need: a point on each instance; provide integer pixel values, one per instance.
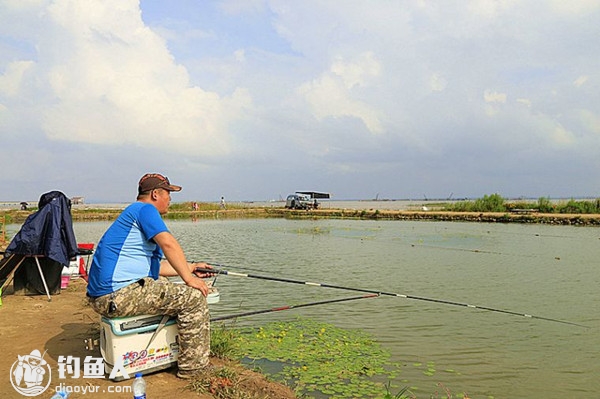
(11, 275)
(43, 279)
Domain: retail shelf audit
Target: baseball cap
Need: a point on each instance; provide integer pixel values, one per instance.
(151, 181)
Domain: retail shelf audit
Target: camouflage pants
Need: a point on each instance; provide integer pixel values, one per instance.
(149, 296)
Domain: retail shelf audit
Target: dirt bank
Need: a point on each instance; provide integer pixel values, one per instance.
(487, 217)
(60, 327)
(83, 215)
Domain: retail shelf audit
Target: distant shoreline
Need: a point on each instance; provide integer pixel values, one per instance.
(89, 214)
(369, 214)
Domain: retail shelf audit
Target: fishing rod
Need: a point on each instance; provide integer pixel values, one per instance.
(405, 296)
(289, 307)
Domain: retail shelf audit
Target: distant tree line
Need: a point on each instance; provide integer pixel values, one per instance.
(495, 203)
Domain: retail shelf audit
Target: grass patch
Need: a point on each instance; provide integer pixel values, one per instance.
(496, 203)
(223, 383)
(223, 342)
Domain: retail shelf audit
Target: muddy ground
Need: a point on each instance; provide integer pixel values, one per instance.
(60, 327)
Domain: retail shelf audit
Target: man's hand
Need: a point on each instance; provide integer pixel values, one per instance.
(198, 284)
(202, 265)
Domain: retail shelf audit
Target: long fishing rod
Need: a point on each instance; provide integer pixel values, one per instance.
(288, 307)
(405, 296)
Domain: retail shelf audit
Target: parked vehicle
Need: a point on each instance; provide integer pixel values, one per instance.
(305, 199)
(298, 201)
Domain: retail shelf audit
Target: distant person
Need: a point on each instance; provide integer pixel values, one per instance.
(222, 204)
(127, 275)
(194, 206)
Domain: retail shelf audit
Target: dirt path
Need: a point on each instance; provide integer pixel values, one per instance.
(60, 328)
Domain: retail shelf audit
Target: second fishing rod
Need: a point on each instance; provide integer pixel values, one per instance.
(219, 269)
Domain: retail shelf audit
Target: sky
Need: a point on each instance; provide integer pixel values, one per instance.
(255, 99)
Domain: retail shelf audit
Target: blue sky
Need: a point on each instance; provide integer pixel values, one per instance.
(253, 100)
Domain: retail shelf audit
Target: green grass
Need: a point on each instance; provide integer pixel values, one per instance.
(223, 341)
(496, 203)
(187, 206)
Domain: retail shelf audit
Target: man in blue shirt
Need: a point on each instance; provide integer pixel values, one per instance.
(124, 278)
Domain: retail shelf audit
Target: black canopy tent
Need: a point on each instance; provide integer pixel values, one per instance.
(315, 194)
(45, 244)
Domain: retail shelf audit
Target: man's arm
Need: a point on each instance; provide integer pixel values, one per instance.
(177, 262)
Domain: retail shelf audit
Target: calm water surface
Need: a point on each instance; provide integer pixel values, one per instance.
(547, 271)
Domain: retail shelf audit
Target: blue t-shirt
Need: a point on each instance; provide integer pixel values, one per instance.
(127, 252)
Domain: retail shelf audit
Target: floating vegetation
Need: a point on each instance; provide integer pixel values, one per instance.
(321, 358)
(313, 230)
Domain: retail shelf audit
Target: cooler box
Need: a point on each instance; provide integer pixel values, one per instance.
(78, 265)
(128, 337)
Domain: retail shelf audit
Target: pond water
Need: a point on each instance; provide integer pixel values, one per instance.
(547, 271)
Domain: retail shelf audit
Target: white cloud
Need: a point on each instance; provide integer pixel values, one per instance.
(113, 81)
(489, 8)
(590, 120)
(437, 82)
(494, 97)
(239, 55)
(581, 80)
(561, 136)
(11, 80)
(332, 93)
(356, 73)
(575, 7)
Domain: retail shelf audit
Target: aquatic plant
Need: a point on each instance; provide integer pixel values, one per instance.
(404, 393)
(317, 357)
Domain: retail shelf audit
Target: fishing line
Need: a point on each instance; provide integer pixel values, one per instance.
(461, 249)
(490, 232)
(289, 307)
(219, 270)
(481, 251)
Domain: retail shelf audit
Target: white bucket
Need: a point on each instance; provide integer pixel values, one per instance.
(213, 293)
